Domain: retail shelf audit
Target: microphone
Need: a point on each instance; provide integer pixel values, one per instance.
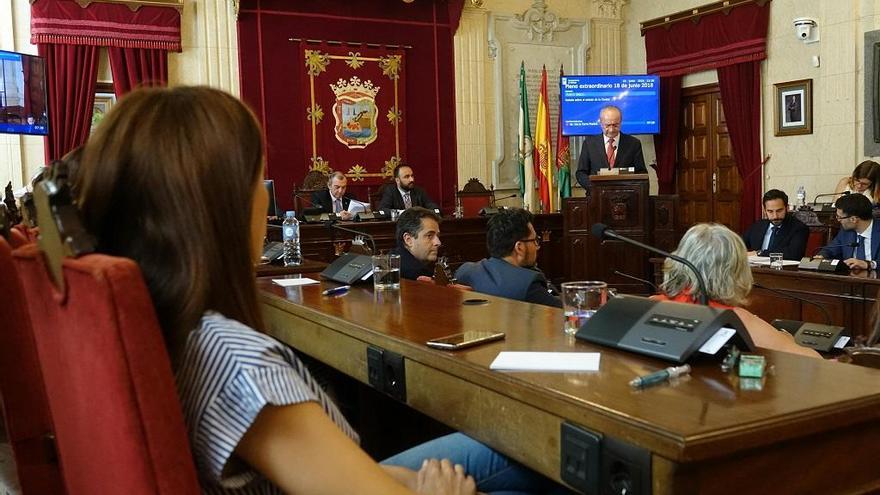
(601, 231)
(830, 194)
(853, 244)
(797, 298)
(637, 279)
(504, 197)
(331, 226)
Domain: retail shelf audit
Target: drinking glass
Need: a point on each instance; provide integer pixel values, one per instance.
(386, 271)
(776, 261)
(580, 300)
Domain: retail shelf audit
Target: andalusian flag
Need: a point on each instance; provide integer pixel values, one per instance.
(563, 155)
(543, 150)
(525, 146)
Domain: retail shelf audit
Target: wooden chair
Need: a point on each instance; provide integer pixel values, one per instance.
(474, 196)
(314, 181)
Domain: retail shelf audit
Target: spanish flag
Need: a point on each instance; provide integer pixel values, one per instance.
(543, 151)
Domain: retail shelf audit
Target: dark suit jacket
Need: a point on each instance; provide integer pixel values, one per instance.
(629, 154)
(410, 267)
(322, 199)
(499, 278)
(790, 240)
(842, 247)
(392, 199)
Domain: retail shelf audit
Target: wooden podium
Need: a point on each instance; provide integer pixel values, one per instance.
(622, 203)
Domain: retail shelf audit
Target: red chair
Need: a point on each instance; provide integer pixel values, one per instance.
(110, 388)
(28, 422)
(473, 197)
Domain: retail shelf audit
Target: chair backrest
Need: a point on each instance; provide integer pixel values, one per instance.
(474, 196)
(107, 375)
(315, 180)
(28, 423)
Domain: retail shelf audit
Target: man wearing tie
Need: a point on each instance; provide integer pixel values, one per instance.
(333, 199)
(611, 149)
(780, 232)
(858, 242)
(404, 194)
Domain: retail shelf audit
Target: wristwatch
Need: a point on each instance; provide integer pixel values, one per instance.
(872, 265)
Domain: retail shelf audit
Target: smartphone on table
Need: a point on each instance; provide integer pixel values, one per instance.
(464, 339)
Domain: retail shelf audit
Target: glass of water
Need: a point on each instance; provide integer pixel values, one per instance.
(580, 300)
(386, 271)
(776, 261)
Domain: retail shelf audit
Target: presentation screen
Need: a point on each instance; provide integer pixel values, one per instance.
(23, 102)
(637, 96)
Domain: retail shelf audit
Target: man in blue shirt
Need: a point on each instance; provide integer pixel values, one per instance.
(858, 242)
(510, 269)
(780, 232)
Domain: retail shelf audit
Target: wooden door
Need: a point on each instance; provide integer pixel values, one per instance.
(707, 180)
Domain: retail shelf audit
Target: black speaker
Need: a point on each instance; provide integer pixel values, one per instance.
(822, 265)
(666, 330)
(349, 269)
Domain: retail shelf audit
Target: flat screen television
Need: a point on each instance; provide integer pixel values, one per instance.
(637, 96)
(24, 105)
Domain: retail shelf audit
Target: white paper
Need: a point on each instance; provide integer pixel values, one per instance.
(765, 261)
(718, 340)
(292, 282)
(355, 206)
(841, 342)
(546, 361)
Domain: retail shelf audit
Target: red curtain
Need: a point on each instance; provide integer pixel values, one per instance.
(71, 76)
(733, 40)
(666, 143)
(133, 67)
(740, 95)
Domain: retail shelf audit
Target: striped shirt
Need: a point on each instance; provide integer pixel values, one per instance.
(229, 371)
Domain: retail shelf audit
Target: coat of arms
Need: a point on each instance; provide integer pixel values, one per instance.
(355, 112)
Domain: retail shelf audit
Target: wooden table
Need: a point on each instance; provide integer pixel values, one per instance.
(812, 428)
(307, 266)
(463, 240)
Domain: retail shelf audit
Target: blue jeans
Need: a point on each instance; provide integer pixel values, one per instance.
(493, 472)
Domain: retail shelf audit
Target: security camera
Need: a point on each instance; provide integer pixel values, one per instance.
(806, 29)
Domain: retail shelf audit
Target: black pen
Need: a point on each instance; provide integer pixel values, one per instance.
(660, 376)
(336, 290)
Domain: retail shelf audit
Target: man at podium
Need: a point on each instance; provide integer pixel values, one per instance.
(611, 149)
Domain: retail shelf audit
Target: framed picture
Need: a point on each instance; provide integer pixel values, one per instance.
(104, 99)
(793, 109)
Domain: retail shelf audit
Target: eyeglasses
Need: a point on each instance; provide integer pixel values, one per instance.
(537, 240)
(842, 218)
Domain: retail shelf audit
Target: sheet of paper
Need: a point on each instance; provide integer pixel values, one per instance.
(546, 361)
(841, 342)
(356, 206)
(718, 340)
(293, 282)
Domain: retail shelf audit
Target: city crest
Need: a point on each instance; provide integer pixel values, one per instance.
(355, 112)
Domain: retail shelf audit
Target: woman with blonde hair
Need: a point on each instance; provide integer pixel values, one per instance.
(865, 179)
(173, 180)
(720, 256)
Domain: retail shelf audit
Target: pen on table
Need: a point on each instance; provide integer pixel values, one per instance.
(336, 290)
(660, 376)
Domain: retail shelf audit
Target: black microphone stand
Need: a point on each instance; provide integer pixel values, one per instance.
(331, 225)
(601, 230)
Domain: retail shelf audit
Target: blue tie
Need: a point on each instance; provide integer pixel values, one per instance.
(860, 249)
(773, 231)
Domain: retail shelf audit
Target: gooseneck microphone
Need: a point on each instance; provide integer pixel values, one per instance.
(798, 298)
(331, 226)
(637, 279)
(844, 193)
(853, 244)
(602, 231)
(494, 201)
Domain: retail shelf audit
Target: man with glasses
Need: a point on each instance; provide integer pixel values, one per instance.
(858, 242)
(611, 149)
(780, 232)
(510, 270)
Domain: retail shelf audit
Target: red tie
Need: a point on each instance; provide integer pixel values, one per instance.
(609, 152)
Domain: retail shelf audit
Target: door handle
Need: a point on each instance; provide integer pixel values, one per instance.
(714, 182)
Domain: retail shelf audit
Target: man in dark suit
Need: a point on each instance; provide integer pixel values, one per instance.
(611, 149)
(333, 199)
(858, 242)
(418, 242)
(404, 193)
(510, 270)
(780, 232)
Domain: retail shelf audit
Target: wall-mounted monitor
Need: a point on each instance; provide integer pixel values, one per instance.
(24, 105)
(637, 96)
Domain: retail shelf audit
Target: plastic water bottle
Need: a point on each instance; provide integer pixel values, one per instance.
(290, 234)
(802, 196)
